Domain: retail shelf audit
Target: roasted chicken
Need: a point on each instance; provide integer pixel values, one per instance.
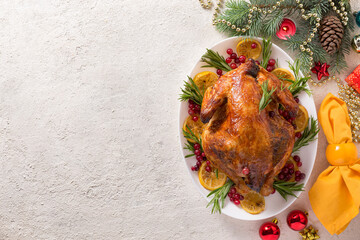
(240, 136)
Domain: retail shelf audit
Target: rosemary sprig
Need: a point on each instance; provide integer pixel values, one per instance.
(191, 136)
(266, 53)
(191, 91)
(287, 188)
(308, 135)
(214, 59)
(266, 95)
(299, 84)
(218, 200)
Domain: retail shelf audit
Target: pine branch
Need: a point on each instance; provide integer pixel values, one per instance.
(218, 200)
(191, 91)
(287, 188)
(214, 59)
(308, 135)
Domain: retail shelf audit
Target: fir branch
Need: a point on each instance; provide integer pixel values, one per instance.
(308, 135)
(287, 188)
(266, 95)
(300, 83)
(218, 200)
(272, 23)
(266, 53)
(191, 91)
(214, 59)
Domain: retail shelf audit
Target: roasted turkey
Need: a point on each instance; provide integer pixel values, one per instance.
(239, 135)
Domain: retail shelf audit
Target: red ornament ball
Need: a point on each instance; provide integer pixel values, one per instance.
(297, 220)
(269, 231)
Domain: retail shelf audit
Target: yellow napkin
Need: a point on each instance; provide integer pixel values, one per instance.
(335, 196)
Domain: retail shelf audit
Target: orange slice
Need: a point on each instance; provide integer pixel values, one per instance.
(284, 73)
(196, 127)
(253, 203)
(209, 180)
(244, 48)
(302, 119)
(205, 79)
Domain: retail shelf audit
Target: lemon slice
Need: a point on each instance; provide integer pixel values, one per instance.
(209, 180)
(302, 119)
(244, 48)
(253, 203)
(205, 79)
(196, 127)
(284, 73)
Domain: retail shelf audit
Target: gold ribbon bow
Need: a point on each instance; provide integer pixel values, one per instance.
(335, 196)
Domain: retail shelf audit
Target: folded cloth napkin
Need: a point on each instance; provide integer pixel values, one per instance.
(335, 196)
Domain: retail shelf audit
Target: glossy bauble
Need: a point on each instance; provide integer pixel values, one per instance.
(297, 220)
(269, 231)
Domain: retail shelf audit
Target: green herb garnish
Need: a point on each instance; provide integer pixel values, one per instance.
(287, 188)
(266, 95)
(214, 59)
(266, 53)
(308, 135)
(299, 84)
(191, 91)
(218, 200)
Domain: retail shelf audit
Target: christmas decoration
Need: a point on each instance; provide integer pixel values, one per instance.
(264, 19)
(354, 79)
(309, 233)
(286, 30)
(331, 33)
(355, 43)
(320, 70)
(297, 220)
(269, 230)
(357, 18)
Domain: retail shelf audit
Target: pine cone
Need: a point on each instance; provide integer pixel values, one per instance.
(331, 33)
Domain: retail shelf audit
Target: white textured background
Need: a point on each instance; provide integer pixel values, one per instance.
(88, 123)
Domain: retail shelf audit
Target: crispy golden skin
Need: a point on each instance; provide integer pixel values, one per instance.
(238, 136)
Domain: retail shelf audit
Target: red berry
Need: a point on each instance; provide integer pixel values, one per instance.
(296, 158)
(285, 170)
(291, 171)
(241, 197)
(208, 168)
(228, 60)
(197, 152)
(197, 146)
(297, 173)
(236, 202)
(302, 175)
(254, 45)
(242, 58)
(257, 62)
(229, 51)
(297, 178)
(237, 60)
(270, 68)
(195, 118)
(299, 164)
(281, 176)
(236, 196)
(298, 134)
(290, 166)
(281, 112)
(271, 62)
(233, 190)
(233, 65)
(208, 162)
(245, 171)
(196, 168)
(191, 112)
(197, 107)
(191, 101)
(285, 114)
(232, 199)
(219, 72)
(288, 177)
(297, 99)
(273, 191)
(203, 154)
(193, 168)
(230, 195)
(198, 164)
(191, 106)
(199, 158)
(233, 56)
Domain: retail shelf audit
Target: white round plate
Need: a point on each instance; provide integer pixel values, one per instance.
(275, 204)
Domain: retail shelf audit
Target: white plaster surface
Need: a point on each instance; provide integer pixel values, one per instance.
(88, 123)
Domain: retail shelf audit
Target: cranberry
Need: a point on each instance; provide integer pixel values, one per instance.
(236, 196)
(285, 170)
(281, 176)
(288, 177)
(198, 164)
(203, 154)
(232, 199)
(299, 164)
(296, 158)
(236, 202)
(291, 171)
(290, 166)
(254, 45)
(297, 173)
(233, 65)
(199, 158)
(208, 168)
(229, 51)
(294, 125)
(191, 112)
(195, 118)
(297, 99)
(237, 60)
(271, 114)
(197, 146)
(271, 62)
(241, 197)
(285, 114)
(298, 134)
(233, 56)
(297, 178)
(228, 60)
(242, 58)
(191, 106)
(208, 162)
(197, 152)
(193, 168)
(270, 68)
(245, 171)
(231, 195)
(197, 107)
(257, 62)
(233, 190)
(219, 72)
(196, 168)
(302, 175)
(191, 101)
(281, 112)
(274, 191)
